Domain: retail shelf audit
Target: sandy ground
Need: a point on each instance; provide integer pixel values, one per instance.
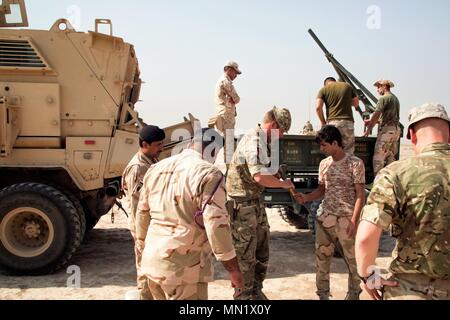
(107, 270)
(106, 262)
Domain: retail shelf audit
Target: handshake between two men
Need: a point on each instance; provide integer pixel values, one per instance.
(319, 193)
(302, 198)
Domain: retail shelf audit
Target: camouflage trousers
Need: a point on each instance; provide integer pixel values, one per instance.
(251, 233)
(196, 291)
(224, 120)
(225, 123)
(142, 284)
(386, 148)
(336, 227)
(417, 287)
(347, 129)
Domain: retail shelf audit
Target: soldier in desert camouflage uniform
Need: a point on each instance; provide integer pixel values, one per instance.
(341, 183)
(248, 175)
(151, 143)
(308, 130)
(226, 99)
(387, 114)
(179, 240)
(413, 197)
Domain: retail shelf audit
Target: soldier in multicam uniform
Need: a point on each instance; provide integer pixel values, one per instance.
(387, 114)
(247, 176)
(182, 220)
(413, 197)
(339, 97)
(341, 183)
(308, 130)
(151, 143)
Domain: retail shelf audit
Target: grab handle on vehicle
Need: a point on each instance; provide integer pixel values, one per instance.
(104, 21)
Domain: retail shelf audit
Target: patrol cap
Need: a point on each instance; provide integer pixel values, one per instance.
(380, 83)
(234, 65)
(283, 118)
(426, 111)
(151, 134)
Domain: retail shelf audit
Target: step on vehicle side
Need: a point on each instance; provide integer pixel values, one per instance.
(68, 128)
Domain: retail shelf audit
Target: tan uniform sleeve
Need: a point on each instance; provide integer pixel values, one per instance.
(132, 186)
(322, 168)
(382, 204)
(143, 214)
(216, 219)
(229, 89)
(359, 172)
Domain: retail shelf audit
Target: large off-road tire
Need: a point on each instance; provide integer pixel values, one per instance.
(295, 220)
(80, 211)
(76, 202)
(40, 229)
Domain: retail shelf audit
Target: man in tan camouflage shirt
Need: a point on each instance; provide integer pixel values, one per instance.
(151, 143)
(412, 197)
(226, 99)
(308, 130)
(387, 114)
(178, 240)
(248, 175)
(341, 183)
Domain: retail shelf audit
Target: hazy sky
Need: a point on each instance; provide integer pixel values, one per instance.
(183, 45)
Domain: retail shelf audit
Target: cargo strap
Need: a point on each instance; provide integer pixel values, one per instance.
(199, 214)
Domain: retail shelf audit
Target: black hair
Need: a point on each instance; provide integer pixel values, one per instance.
(329, 134)
(141, 142)
(151, 134)
(328, 79)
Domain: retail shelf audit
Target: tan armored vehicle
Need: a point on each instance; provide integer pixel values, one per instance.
(67, 130)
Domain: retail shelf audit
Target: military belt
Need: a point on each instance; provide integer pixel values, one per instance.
(235, 203)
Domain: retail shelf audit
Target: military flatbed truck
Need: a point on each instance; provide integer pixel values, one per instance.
(300, 156)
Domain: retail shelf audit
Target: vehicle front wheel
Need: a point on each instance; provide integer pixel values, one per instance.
(40, 229)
